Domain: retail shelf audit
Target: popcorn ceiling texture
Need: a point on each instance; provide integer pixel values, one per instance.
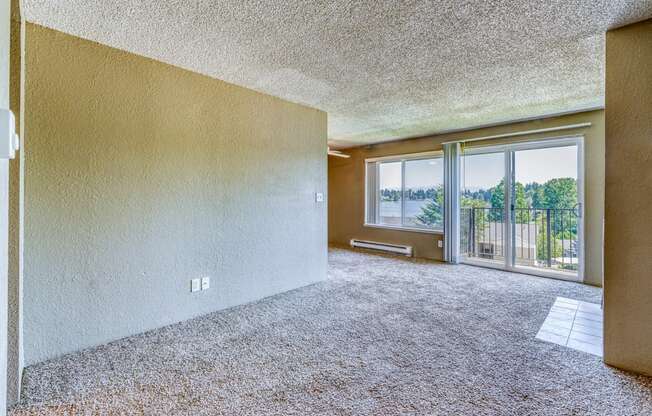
(381, 336)
(381, 69)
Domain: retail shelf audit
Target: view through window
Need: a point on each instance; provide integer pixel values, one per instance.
(409, 193)
(545, 210)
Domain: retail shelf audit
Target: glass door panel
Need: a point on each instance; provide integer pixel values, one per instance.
(521, 207)
(546, 209)
(482, 208)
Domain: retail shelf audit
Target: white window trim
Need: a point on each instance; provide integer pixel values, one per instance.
(397, 158)
(409, 156)
(407, 229)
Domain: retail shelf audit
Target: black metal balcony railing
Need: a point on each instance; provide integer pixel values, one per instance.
(543, 237)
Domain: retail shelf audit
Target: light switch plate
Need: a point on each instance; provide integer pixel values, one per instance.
(205, 283)
(195, 285)
(319, 197)
(440, 243)
(8, 136)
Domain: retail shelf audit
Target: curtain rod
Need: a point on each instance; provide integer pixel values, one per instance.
(522, 133)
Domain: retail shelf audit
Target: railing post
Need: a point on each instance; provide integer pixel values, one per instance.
(548, 242)
(472, 232)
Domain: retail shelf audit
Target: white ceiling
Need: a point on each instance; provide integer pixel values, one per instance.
(382, 70)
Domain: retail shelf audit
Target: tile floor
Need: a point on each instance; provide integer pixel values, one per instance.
(574, 324)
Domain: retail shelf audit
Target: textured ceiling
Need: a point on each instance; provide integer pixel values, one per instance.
(382, 70)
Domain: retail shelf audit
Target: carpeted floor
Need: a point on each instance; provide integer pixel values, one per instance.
(383, 336)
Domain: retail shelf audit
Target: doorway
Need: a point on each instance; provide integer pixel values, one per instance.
(521, 207)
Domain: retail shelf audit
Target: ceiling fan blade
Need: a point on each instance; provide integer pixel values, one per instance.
(337, 153)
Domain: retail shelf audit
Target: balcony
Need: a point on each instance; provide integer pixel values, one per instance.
(543, 238)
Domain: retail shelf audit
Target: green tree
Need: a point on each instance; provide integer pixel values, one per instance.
(534, 195)
(560, 193)
(498, 202)
(390, 194)
(468, 202)
(542, 246)
(480, 215)
(432, 213)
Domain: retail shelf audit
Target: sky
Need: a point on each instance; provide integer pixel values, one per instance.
(423, 173)
(485, 171)
(537, 165)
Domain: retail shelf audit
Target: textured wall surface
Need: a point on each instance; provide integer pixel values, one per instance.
(5, 23)
(628, 222)
(16, 241)
(346, 186)
(141, 176)
(381, 69)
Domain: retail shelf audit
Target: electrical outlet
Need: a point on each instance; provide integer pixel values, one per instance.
(319, 197)
(440, 243)
(195, 285)
(205, 283)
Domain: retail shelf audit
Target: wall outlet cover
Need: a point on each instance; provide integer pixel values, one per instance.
(205, 283)
(440, 243)
(195, 285)
(319, 197)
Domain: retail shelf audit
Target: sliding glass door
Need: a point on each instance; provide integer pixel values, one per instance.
(482, 207)
(521, 207)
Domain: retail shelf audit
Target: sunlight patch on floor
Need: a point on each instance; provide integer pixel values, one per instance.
(574, 324)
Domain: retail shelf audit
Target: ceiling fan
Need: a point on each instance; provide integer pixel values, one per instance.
(337, 153)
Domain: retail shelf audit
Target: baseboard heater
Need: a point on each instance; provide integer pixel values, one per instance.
(392, 248)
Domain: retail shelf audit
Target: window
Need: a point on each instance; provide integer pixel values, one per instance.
(391, 194)
(406, 192)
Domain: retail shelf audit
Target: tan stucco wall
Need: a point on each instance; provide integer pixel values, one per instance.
(14, 346)
(5, 23)
(346, 186)
(141, 176)
(628, 222)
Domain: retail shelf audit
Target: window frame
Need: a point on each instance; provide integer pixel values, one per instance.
(369, 193)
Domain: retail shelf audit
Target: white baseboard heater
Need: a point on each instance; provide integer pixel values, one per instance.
(392, 248)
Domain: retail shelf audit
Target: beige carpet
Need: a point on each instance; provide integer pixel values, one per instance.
(383, 336)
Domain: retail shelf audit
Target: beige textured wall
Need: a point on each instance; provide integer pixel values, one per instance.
(14, 350)
(140, 176)
(346, 186)
(5, 23)
(628, 222)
